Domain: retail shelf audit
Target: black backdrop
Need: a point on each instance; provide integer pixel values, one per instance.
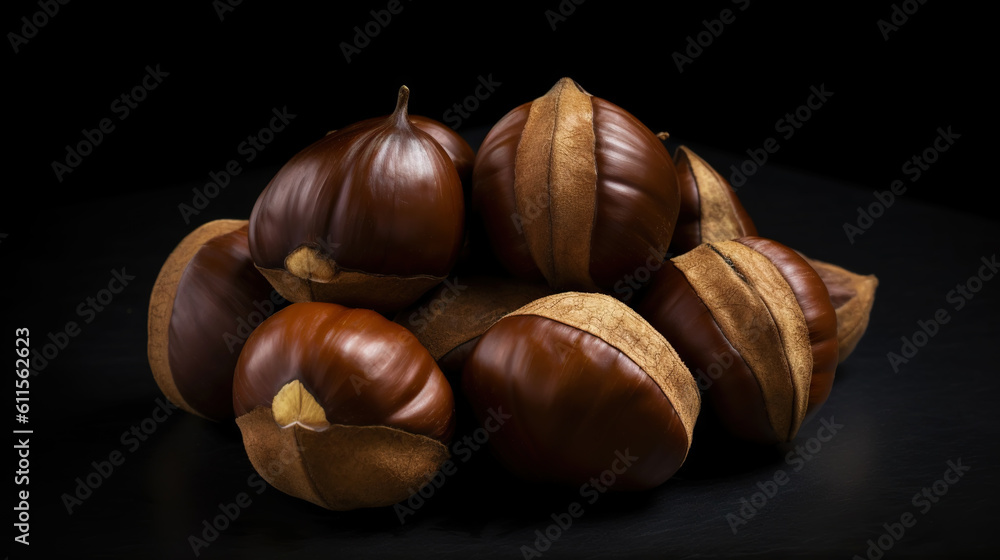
(226, 72)
(219, 79)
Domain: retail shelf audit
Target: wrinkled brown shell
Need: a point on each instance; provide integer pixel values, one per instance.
(853, 296)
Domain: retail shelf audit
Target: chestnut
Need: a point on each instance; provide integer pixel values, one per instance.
(583, 379)
(574, 190)
(341, 407)
(755, 323)
(709, 207)
(206, 298)
(449, 319)
(371, 215)
(711, 211)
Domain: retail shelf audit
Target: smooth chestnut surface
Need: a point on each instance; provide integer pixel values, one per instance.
(754, 323)
(574, 189)
(575, 400)
(371, 215)
(460, 152)
(207, 296)
(362, 369)
(709, 208)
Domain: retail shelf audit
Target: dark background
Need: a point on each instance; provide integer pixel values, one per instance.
(226, 76)
(119, 209)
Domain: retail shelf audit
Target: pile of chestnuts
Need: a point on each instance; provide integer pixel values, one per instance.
(334, 328)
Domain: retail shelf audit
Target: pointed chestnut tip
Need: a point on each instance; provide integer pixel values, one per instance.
(565, 83)
(402, 106)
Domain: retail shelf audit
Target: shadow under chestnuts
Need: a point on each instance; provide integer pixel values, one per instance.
(396, 326)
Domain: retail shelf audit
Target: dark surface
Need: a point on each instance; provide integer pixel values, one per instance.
(62, 241)
(899, 428)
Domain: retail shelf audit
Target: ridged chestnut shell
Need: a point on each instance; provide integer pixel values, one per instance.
(576, 190)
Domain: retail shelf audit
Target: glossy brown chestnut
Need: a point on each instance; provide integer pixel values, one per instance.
(755, 324)
(207, 298)
(709, 208)
(449, 319)
(461, 153)
(574, 189)
(585, 382)
(370, 216)
(341, 407)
